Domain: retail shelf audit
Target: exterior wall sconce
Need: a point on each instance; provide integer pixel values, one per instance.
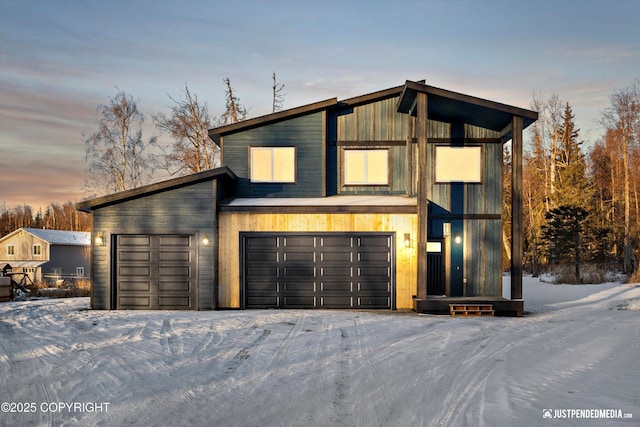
(457, 239)
(101, 239)
(407, 240)
(205, 240)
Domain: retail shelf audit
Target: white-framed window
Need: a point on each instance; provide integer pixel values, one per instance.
(37, 250)
(80, 271)
(272, 164)
(366, 167)
(11, 250)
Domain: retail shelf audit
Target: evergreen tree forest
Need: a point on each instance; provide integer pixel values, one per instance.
(581, 199)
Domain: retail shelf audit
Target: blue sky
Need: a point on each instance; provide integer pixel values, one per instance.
(60, 59)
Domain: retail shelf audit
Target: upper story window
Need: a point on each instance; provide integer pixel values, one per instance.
(37, 250)
(272, 164)
(458, 164)
(366, 167)
(11, 249)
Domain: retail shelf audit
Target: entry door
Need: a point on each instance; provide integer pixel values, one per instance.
(435, 268)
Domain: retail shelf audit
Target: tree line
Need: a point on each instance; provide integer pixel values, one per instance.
(581, 203)
(54, 217)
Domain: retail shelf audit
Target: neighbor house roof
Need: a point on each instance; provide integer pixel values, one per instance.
(55, 237)
(111, 199)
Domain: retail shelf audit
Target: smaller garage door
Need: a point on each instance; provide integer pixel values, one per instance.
(155, 272)
(320, 270)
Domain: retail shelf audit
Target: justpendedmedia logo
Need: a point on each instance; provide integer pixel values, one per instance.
(606, 414)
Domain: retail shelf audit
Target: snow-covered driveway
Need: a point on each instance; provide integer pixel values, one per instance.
(69, 365)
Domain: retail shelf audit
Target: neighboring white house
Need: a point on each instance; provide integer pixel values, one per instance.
(46, 254)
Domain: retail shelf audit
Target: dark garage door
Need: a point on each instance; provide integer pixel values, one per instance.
(155, 272)
(329, 270)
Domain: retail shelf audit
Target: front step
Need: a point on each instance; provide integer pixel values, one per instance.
(471, 309)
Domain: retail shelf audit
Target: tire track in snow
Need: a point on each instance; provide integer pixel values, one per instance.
(470, 375)
(170, 341)
(341, 383)
(246, 352)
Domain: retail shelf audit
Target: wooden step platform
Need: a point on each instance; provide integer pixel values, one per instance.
(471, 309)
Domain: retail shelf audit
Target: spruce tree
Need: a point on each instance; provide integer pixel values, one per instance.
(572, 186)
(566, 236)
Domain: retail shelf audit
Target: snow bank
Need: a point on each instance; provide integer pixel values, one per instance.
(64, 364)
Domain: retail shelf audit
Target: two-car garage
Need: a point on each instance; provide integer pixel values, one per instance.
(317, 270)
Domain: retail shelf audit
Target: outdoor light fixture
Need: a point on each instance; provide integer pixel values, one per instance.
(100, 238)
(457, 239)
(205, 240)
(407, 240)
(446, 229)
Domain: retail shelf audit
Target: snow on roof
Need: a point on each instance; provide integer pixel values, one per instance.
(59, 237)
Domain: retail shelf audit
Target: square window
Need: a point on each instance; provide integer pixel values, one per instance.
(366, 167)
(11, 249)
(272, 164)
(80, 271)
(37, 249)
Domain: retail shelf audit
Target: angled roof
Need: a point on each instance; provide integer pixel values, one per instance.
(271, 118)
(444, 106)
(111, 199)
(447, 106)
(56, 237)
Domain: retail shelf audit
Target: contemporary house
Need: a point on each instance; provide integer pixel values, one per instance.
(390, 200)
(42, 254)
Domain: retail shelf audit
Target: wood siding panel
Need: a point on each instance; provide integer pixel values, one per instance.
(188, 210)
(231, 224)
(305, 133)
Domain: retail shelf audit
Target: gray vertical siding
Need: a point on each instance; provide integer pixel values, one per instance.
(305, 133)
(185, 210)
(483, 237)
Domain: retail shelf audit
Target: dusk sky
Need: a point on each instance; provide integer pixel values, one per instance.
(60, 59)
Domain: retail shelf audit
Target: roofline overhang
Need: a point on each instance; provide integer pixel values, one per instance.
(458, 103)
(271, 118)
(374, 96)
(222, 172)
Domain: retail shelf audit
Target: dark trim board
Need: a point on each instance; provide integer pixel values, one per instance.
(440, 305)
(337, 209)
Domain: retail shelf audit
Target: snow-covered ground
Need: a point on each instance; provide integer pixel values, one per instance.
(577, 348)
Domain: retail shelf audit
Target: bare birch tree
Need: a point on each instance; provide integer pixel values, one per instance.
(118, 159)
(624, 116)
(192, 149)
